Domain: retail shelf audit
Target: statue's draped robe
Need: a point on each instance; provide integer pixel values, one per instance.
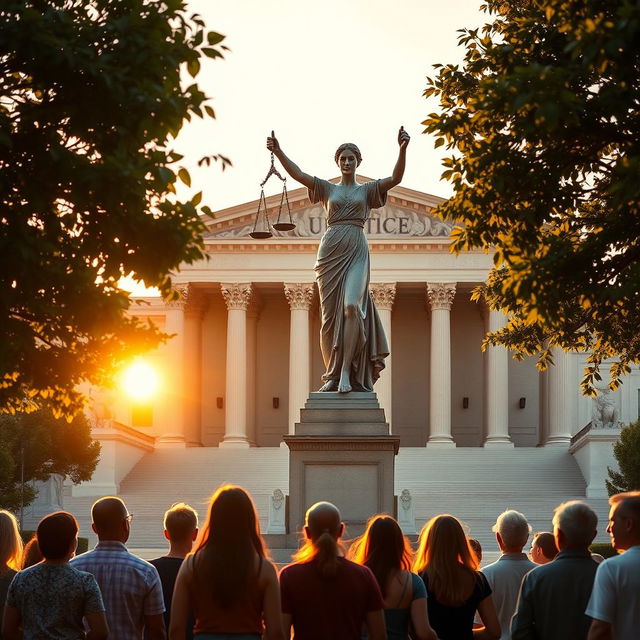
(342, 271)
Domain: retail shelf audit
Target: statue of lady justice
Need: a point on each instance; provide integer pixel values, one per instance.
(351, 335)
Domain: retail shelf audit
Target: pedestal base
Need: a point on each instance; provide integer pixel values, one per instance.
(342, 453)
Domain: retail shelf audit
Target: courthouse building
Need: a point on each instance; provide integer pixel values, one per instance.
(245, 353)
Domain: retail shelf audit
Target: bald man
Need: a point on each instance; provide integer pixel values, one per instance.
(615, 599)
(130, 586)
(324, 595)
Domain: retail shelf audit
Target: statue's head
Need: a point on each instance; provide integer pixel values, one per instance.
(348, 146)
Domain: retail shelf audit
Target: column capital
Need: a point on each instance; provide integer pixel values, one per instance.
(237, 295)
(189, 299)
(440, 295)
(299, 295)
(383, 294)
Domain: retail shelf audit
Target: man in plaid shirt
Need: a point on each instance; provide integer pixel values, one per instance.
(130, 586)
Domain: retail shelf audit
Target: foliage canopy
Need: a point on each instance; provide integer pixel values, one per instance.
(47, 445)
(543, 120)
(626, 451)
(92, 96)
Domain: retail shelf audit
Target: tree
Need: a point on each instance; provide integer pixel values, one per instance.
(626, 451)
(35, 445)
(92, 96)
(543, 120)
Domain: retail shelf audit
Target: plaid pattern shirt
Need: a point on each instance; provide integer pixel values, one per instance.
(130, 587)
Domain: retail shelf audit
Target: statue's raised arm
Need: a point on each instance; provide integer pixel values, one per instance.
(398, 171)
(289, 166)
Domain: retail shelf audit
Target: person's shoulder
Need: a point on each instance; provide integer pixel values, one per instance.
(491, 568)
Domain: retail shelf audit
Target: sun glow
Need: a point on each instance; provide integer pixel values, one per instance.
(140, 380)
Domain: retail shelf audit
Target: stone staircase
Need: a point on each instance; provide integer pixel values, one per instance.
(474, 484)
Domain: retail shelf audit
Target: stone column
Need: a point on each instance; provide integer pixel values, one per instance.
(171, 418)
(253, 313)
(383, 295)
(236, 297)
(440, 296)
(192, 367)
(300, 296)
(562, 394)
(497, 388)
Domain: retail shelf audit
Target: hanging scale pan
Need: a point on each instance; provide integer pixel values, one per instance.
(261, 229)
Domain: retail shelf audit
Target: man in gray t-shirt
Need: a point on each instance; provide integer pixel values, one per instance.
(505, 575)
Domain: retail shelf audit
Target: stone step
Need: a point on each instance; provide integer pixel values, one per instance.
(342, 415)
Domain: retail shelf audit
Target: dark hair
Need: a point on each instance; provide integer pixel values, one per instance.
(224, 552)
(31, 553)
(350, 146)
(383, 548)
(547, 544)
(56, 533)
(477, 548)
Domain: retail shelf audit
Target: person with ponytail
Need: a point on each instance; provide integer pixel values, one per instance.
(456, 589)
(227, 582)
(324, 595)
(386, 551)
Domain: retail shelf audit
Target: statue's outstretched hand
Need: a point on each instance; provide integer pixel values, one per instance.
(272, 143)
(403, 138)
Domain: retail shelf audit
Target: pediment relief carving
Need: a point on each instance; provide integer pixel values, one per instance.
(387, 222)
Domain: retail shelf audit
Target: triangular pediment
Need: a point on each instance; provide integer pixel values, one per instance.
(407, 214)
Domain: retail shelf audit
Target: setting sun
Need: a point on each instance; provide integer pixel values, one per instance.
(140, 380)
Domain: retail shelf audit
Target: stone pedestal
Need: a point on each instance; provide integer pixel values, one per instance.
(341, 452)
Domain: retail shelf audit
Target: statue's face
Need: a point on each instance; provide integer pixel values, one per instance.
(347, 161)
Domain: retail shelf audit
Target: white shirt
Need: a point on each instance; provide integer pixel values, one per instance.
(616, 595)
(505, 576)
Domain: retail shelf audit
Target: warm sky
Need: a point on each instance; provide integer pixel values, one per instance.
(321, 73)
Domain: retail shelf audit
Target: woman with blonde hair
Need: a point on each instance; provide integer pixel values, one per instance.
(10, 552)
(386, 551)
(456, 589)
(227, 582)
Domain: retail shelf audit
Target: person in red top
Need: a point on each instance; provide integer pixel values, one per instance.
(323, 594)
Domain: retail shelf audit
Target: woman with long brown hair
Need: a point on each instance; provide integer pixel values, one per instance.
(227, 582)
(386, 551)
(324, 595)
(455, 587)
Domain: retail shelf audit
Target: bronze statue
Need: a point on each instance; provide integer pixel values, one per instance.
(351, 335)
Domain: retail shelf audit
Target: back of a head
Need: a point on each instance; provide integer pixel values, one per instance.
(578, 523)
(227, 545)
(445, 555)
(10, 541)
(56, 534)
(107, 515)
(513, 529)
(31, 554)
(180, 522)
(476, 548)
(383, 548)
(323, 526)
(545, 541)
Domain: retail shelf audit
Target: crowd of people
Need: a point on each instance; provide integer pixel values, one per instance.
(217, 581)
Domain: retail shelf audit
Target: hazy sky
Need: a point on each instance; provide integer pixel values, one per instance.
(321, 73)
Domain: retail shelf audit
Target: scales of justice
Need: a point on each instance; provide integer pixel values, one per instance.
(341, 450)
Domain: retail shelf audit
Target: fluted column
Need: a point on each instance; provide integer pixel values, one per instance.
(383, 295)
(440, 296)
(299, 295)
(562, 394)
(497, 388)
(237, 298)
(171, 418)
(253, 313)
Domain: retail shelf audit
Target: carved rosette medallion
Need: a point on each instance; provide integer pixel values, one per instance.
(383, 294)
(299, 295)
(236, 295)
(440, 295)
